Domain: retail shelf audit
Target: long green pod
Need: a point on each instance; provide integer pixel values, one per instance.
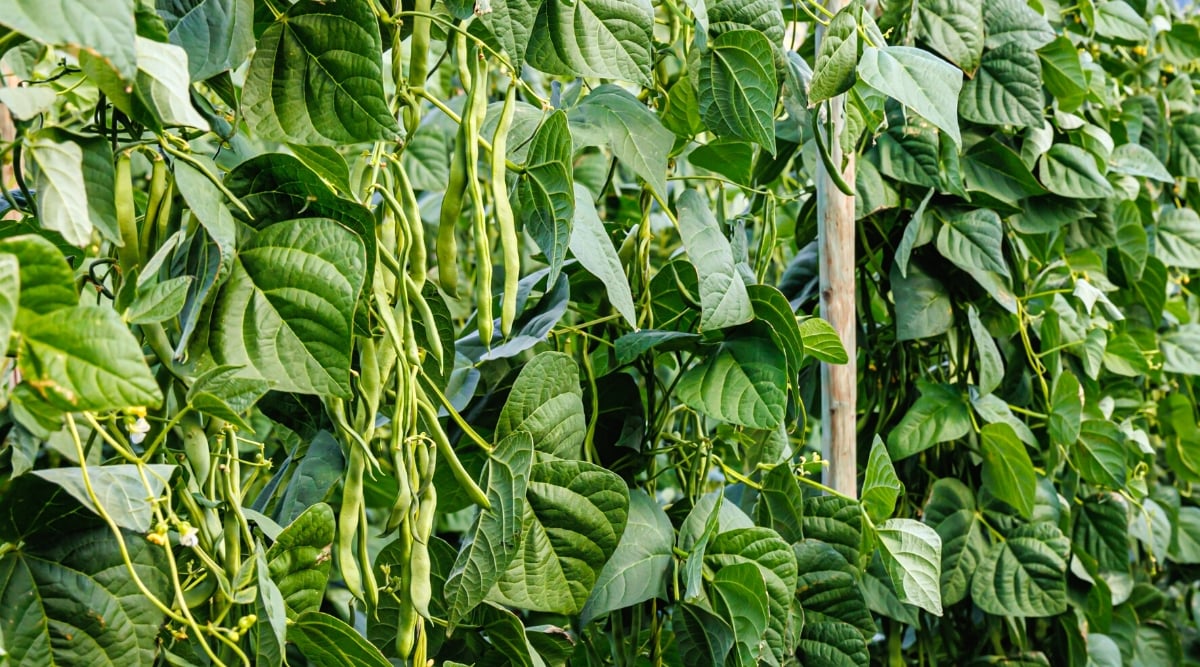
(433, 337)
(411, 210)
(348, 520)
(510, 242)
(483, 246)
(448, 457)
(128, 254)
(158, 189)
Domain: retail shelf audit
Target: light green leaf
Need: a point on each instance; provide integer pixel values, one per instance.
(1100, 454)
(1014, 21)
(922, 304)
(118, 489)
(1185, 145)
(10, 288)
(974, 240)
(1136, 160)
(573, 520)
(604, 39)
(1007, 89)
(330, 165)
(216, 34)
(75, 183)
(328, 641)
(161, 302)
(881, 487)
(1062, 72)
(1066, 410)
(1007, 470)
(932, 419)
(497, 533)
(909, 153)
(637, 570)
(270, 628)
(1025, 574)
(105, 29)
(743, 382)
(991, 364)
(85, 358)
(738, 87)
(28, 102)
(211, 209)
(545, 191)
(739, 593)
(1181, 349)
(954, 28)
(1186, 546)
(1070, 171)
(45, 595)
(1116, 19)
(285, 313)
(951, 512)
(547, 402)
(777, 563)
(771, 308)
(918, 80)
(163, 84)
(837, 57)
(46, 280)
(299, 560)
(511, 24)
(1177, 237)
(317, 77)
(724, 300)
(591, 245)
(610, 116)
(821, 341)
(780, 504)
(223, 393)
(912, 555)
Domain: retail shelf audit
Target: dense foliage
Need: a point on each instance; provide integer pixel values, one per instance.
(368, 331)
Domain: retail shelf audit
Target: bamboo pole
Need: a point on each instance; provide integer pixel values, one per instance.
(835, 220)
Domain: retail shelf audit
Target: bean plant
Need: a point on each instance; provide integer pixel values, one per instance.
(382, 332)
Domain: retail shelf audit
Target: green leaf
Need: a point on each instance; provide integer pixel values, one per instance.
(545, 193)
(912, 554)
(922, 304)
(763, 16)
(221, 392)
(835, 521)
(991, 364)
(909, 153)
(1007, 89)
(28, 102)
(511, 23)
(780, 504)
(161, 302)
(1066, 410)
(724, 300)
(591, 245)
(1025, 574)
(85, 358)
(918, 80)
(574, 517)
(327, 641)
(996, 170)
(216, 34)
(1007, 470)
(209, 206)
(506, 633)
(828, 588)
(285, 313)
(1062, 72)
(704, 638)
(497, 533)
(163, 85)
(1185, 145)
(837, 57)
(739, 593)
(953, 28)
(317, 77)
(270, 630)
(1135, 160)
(105, 30)
(74, 603)
(547, 402)
(881, 487)
(1177, 237)
(612, 117)
(743, 382)
(75, 183)
(319, 470)
(1070, 171)
(771, 307)
(329, 163)
(637, 570)
(603, 39)
(974, 240)
(1014, 21)
(738, 88)
(1116, 19)
(730, 158)
(934, 418)
(1100, 454)
(118, 488)
(1102, 531)
(821, 341)
(775, 560)
(299, 560)
(1186, 546)
(1181, 349)
(951, 511)
(10, 288)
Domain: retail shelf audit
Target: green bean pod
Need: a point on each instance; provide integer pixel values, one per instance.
(411, 209)
(126, 214)
(158, 188)
(505, 220)
(348, 519)
(483, 248)
(433, 337)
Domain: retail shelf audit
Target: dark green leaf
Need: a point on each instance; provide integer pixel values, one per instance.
(609, 116)
(917, 79)
(744, 382)
(300, 558)
(547, 402)
(545, 192)
(1007, 89)
(327, 641)
(738, 88)
(837, 57)
(1025, 574)
(637, 570)
(932, 419)
(1007, 470)
(1070, 171)
(922, 304)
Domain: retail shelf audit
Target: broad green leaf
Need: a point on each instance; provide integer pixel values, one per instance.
(105, 30)
(28, 102)
(545, 191)
(1024, 575)
(270, 630)
(828, 588)
(574, 517)
(730, 158)
(1014, 21)
(497, 533)
(932, 419)
(1116, 19)
(780, 504)
(299, 560)
(922, 304)
(1154, 643)
(1102, 531)
(221, 392)
(763, 16)
(704, 638)
(1066, 410)
(506, 634)
(637, 570)
(1186, 546)
(161, 302)
(636, 343)
(1062, 72)
(1177, 237)
(996, 170)
(10, 288)
(1100, 454)
(918, 80)
(772, 308)
(909, 153)
(1007, 89)
(610, 116)
(1070, 171)
(974, 240)
(1181, 350)
(775, 560)
(310, 484)
(605, 39)
(74, 603)
(118, 488)
(85, 358)
(285, 313)
(821, 341)
(953, 28)
(837, 57)
(993, 409)
(912, 554)
(1007, 470)
(881, 487)
(1185, 145)
(328, 641)
(329, 163)
(317, 77)
(163, 85)
(591, 245)
(724, 300)
(511, 24)
(951, 512)
(833, 644)
(75, 183)
(708, 516)
(1151, 525)
(835, 521)
(1136, 160)
(209, 206)
(739, 593)
(743, 382)
(216, 34)
(738, 87)
(1123, 356)
(547, 402)
(991, 365)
